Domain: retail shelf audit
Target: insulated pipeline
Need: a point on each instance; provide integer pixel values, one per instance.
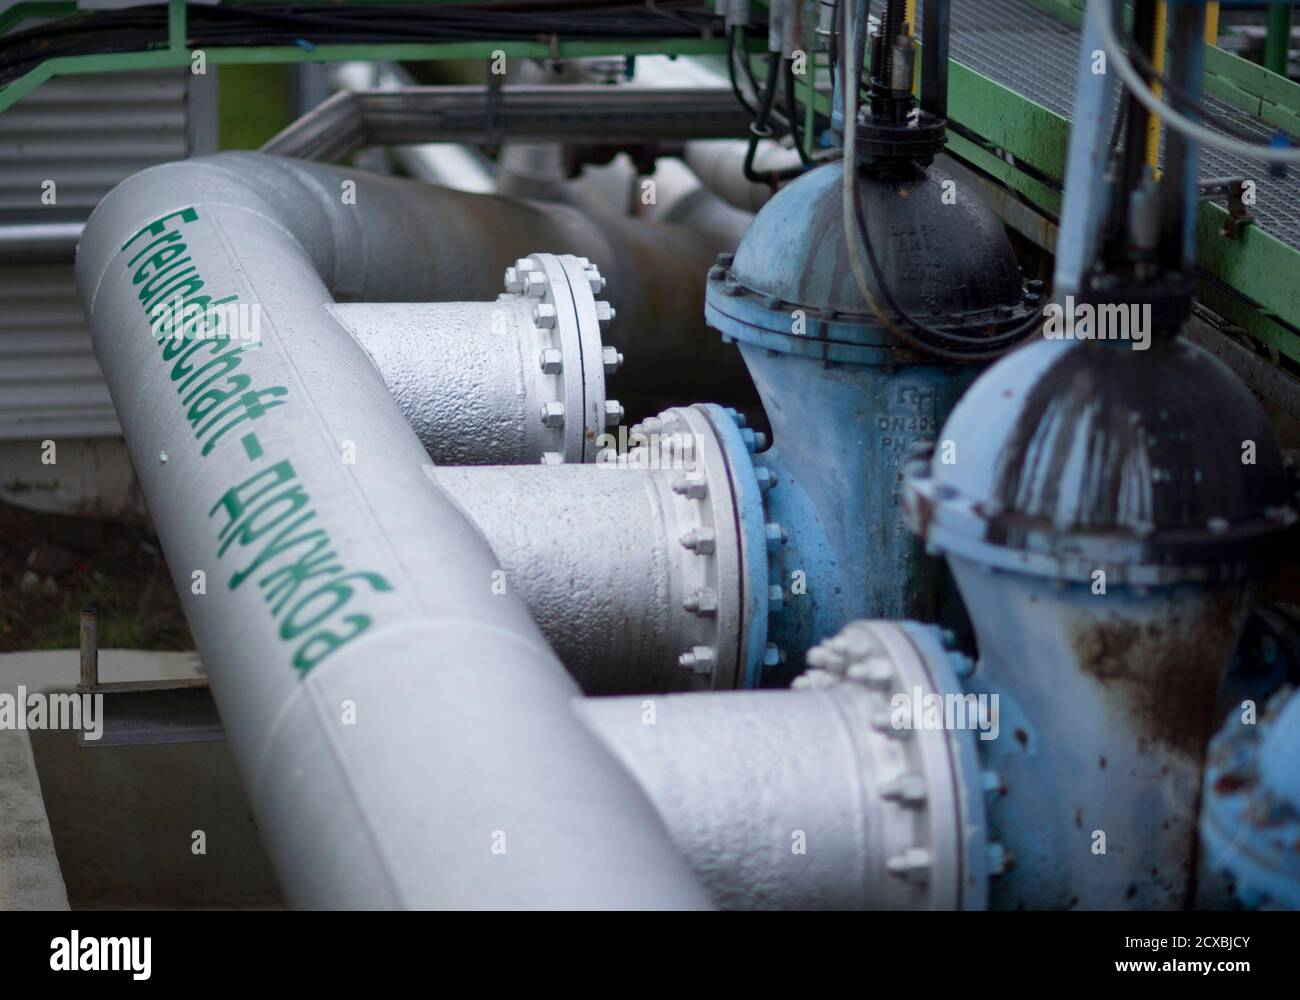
(825, 797)
(596, 553)
(405, 734)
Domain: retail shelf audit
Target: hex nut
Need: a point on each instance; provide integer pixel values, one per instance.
(551, 361)
(553, 414)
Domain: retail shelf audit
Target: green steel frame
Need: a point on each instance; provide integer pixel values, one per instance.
(1253, 264)
(178, 54)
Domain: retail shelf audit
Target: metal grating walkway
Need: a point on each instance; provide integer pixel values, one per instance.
(1034, 53)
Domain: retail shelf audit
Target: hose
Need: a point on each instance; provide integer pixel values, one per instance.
(940, 343)
(1102, 12)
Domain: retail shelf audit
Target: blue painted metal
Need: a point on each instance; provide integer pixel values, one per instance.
(974, 785)
(843, 433)
(1097, 514)
(846, 404)
(790, 288)
(1087, 195)
(739, 442)
(1187, 70)
(790, 584)
(805, 565)
(1251, 819)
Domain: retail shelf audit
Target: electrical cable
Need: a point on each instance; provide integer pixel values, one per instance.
(758, 129)
(142, 29)
(1102, 14)
(943, 344)
(1177, 94)
(731, 72)
(792, 113)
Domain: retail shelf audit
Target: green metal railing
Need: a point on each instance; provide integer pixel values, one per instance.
(1254, 263)
(177, 54)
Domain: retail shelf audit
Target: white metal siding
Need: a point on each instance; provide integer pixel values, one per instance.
(50, 384)
(86, 134)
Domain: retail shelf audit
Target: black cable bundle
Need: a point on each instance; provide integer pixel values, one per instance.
(139, 29)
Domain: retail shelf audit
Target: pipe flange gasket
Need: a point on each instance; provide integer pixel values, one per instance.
(916, 141)
(1251, 830)
(938, 853)
(572, 362)
(708, 550)
(762, 591)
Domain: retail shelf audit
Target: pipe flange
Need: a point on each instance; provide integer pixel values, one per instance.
(761, 537)
(917, 140)
(572, 362)
(683, 444)
(757, 580)
(938, 854)
(1250, 821)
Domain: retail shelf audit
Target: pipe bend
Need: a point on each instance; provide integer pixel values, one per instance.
(405, 731)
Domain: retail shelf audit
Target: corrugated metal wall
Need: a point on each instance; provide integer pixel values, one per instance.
(85, 134)
(50, 385)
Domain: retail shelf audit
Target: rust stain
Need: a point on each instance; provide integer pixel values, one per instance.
(1229, 784)
(1164, 674)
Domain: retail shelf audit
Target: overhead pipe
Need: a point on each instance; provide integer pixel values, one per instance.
(655, 272)
(719, 164)
(580, 113)
(405, 734)
(682, 199)
(447, 164)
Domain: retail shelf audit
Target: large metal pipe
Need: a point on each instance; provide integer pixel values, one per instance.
(829, 797)
(720, 166)
(516, 381)
(655, 272)
(594, 552)
(634, 567)
(405, 734)
(592, 113)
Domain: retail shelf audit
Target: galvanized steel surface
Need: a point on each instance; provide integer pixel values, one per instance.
(599, 555)
(811, 799)
(509, 382)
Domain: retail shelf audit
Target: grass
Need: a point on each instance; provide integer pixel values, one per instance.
(117, 568)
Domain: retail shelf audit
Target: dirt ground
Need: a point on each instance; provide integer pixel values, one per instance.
(53, 566)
